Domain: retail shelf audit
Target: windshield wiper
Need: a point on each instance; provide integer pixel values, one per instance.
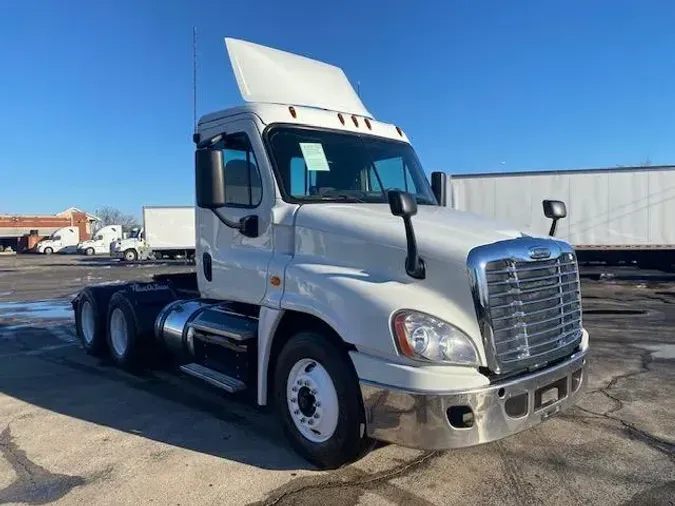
(425, 201)
(340, 197)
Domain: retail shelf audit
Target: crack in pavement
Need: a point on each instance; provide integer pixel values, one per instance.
(657, 443)
(303, 490)
(650, 440)
(33, 484)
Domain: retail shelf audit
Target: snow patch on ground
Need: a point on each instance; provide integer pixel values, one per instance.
(54, 309)
(664, 350)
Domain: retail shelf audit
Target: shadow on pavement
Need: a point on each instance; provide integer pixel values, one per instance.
(158, 405)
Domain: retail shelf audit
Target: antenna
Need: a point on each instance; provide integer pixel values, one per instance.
(358, 88)
(194, 77)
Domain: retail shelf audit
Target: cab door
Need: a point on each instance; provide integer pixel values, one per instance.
(232, 266)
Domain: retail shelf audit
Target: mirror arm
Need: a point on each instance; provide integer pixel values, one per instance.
(208, 143)
(554, 225)
(237, 225)
(232, 224)
(414, 265)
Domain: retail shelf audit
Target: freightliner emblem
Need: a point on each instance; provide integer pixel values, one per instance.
(539, 253)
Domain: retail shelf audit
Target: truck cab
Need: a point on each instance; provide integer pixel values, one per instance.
(132, 247)
(332, 283)
(63, 240)
(101, 241)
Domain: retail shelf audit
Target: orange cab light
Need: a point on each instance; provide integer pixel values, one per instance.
(291, 109)
(367, 121)
(356, 121)
(341, 118)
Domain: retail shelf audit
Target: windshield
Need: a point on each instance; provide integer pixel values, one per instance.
(321, 165)
(134, 234)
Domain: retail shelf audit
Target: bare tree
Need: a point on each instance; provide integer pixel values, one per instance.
(112, 216)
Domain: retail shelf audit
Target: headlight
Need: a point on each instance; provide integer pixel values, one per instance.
(422, 336)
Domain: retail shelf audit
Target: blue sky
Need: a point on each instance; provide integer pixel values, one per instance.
(96, 97)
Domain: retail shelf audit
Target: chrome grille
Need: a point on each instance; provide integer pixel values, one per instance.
(530, 310)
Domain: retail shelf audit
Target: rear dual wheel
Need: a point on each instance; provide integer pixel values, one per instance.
(91, 307)
(118, 322)
(123, 335)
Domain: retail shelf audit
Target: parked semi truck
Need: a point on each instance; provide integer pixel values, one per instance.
(615, 215)
(63, 240)
(332, 284)
(167, 232)
(101, 241)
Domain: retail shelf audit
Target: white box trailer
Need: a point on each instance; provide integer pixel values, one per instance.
(168, 232)
(169, 229)
(620, 214)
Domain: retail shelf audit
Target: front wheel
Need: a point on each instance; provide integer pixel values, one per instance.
(130, 255)
(319, 401)
(48, 251)
(89, 252)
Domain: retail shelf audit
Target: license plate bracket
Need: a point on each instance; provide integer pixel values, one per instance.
(548, 395)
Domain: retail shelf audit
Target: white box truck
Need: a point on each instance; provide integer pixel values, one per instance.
(621, 214)
(360, 311)
(167, 232)
(101, 241)
(63, 240)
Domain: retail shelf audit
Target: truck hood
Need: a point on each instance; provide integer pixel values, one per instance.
(129, 242)
(442, 233)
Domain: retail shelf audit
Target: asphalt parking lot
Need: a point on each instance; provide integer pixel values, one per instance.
(74, 430)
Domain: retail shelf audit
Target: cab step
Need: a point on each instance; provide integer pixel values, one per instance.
(215, 378)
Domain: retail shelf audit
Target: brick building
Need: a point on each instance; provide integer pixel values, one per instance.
(22, 232)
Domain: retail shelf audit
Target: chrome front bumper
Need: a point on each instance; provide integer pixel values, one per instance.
(434, 421)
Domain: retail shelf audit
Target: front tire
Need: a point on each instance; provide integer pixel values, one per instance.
(48, 251)
(130, 255)
(89, 252)
(318, 398)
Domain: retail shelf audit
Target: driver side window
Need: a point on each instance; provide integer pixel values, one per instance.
(243, 185)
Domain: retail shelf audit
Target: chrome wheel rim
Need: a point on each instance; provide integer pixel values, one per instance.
(87, 322)
(119, 334)
(312, 400)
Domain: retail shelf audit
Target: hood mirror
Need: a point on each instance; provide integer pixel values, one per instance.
(404, 205)
(554, 210)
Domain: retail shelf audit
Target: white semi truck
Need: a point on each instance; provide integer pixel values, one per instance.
(101, 241)
(63, 240)
(168, 231)
(333, 284)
